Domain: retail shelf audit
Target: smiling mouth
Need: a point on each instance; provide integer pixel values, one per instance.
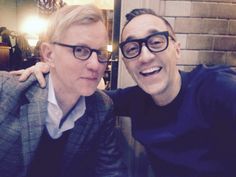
(150, 71)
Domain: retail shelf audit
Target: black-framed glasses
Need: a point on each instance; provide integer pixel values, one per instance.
(84, 52)
(156, 42)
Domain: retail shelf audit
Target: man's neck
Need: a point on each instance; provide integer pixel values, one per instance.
(170, 93)
(65, 102)
(66, 98)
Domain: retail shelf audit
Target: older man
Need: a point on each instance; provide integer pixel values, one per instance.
(66, 129)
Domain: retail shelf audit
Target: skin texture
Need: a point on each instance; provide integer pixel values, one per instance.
(71, 77)
(156, 73)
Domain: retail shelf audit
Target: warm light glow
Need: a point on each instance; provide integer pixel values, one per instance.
(32, 41)
(109, 48)
(103, 4)
(33, 25)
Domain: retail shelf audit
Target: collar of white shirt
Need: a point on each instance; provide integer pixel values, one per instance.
(55, 113)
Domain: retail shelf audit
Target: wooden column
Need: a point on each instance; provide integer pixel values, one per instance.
(4, 57)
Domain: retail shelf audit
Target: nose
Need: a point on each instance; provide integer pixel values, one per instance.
(93, 62)
(146, 55)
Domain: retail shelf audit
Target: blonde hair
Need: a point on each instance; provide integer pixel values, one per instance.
(67, 16)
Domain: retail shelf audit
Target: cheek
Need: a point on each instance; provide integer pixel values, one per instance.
(65, 59)
(130, 66)
(70, 70)
(63, 55)
(169, 58)
(129, 69)
(103, 68)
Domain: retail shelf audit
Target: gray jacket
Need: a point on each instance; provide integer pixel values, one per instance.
(23, 108)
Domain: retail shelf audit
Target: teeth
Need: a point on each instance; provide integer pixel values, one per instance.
(150, 70)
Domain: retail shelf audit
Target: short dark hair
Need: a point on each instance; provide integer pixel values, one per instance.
(142, 11)
(136, 12)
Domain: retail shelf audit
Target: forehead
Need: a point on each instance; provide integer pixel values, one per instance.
(142, 26)
(93, 33)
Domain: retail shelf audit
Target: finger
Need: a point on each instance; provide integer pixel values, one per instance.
(40, 78)
(17, 73)
(42, 67)
(25, 74)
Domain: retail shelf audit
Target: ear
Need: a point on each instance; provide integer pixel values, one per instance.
(177, 48)
(47, 52)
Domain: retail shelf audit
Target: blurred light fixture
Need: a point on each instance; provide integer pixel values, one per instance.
(32, 27)
(32, 40)
(109, 48)
(33, 24)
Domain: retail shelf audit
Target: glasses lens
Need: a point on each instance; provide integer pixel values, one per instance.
(81, 52)
(131, 49)
(157, 43)
(103, 56)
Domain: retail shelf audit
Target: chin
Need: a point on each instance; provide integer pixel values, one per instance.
(88, 92)
(151, 89)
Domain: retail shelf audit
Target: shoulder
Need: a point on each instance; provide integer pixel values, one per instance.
(222, 81)
(7, 78)
(217, 75)
(101, 99)
(211, 74)
(9, 84)
(216, 94)
(99, 106)
(126, 93)
(215, 82)
(102, 96)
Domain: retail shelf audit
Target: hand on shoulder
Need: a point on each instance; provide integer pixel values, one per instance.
(38, 70)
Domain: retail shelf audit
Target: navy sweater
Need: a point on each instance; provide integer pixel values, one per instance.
(194, 135)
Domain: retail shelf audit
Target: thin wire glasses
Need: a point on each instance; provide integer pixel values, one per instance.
(83, 52)
(156, 42)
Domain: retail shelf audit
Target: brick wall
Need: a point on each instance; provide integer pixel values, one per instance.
(206, 30)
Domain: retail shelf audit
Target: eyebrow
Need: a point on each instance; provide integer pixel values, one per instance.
(85, 45)
(150, 32)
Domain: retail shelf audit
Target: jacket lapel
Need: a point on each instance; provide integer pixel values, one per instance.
(79, 133)
(32, 117)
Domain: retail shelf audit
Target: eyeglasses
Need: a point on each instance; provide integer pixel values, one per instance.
(83, 52)
(156, 42)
